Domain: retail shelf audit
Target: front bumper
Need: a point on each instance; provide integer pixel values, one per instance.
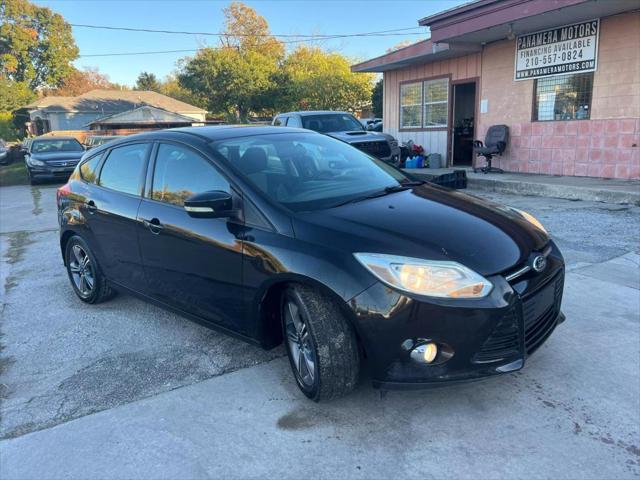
(488, 336)
(51, 172)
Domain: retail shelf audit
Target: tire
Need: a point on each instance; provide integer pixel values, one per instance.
(321, 337)
(32, 180)
(84, 273)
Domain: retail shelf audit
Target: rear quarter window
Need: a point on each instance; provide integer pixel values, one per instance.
(124, 167)
(89, 169)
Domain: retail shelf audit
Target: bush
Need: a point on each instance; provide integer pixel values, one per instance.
(8, 132)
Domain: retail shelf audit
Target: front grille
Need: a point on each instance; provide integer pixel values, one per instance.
(62, 163)
(377, 149)
(538, 326)
(503, 342)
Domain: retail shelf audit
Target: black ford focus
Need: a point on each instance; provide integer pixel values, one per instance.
(284, 235)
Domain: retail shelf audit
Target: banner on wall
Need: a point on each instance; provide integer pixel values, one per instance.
(558, 51)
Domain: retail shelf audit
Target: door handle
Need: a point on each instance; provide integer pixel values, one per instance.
(92, 207)
(153, 225)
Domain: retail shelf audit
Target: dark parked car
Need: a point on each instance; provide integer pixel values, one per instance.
(277, 234)
(345, 127)
(51, 157)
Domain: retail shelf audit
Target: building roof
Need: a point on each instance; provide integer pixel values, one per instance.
(112, 101)
(145, 115)
(460, 30)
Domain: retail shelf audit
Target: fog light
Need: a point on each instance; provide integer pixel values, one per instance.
(425, 353)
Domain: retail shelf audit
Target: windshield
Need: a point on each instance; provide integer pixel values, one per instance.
(69, 145)
(306, 171)
(333, 122)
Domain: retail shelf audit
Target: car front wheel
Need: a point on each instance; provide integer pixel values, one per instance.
(84, 273)
(321, 344)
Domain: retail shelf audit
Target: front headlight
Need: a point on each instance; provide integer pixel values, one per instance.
(531, 219)
(34, 162)
(440, 279)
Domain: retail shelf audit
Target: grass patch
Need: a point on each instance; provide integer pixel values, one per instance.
(14, 174)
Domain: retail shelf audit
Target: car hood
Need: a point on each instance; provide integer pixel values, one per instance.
(428, 222)
(358, 136)
(49, 156)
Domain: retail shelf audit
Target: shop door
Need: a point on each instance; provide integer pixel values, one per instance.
(463, 123)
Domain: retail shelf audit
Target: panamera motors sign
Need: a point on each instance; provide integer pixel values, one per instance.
(558, 51)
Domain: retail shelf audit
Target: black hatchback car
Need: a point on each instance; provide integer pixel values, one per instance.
(281, 234)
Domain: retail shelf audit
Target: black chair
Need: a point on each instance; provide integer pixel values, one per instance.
(495, 143)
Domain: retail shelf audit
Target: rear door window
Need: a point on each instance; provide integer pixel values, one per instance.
(123, 169)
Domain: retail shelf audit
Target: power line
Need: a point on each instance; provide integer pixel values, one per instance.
(391, 32)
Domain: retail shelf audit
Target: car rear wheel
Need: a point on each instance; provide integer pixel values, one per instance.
(84, 272)
(321, 345)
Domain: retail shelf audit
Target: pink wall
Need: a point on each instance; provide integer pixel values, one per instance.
(607, 145)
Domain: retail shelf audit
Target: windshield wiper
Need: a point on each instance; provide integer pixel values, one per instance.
(387, 190)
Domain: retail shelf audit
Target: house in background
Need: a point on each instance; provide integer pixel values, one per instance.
(563, 75)
(141, 118)
(78, 113)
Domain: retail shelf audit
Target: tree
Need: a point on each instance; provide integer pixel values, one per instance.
(82, 81)
(36, 45)
(172, 88)
(236, 78)
(319, 80)
(14, 95)
(402, 44)
(245, 30)
(147, 81)
(376, 98)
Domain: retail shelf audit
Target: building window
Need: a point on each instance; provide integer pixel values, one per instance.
(436, 103)
(564, 97)
(411, 105)
(424, 104)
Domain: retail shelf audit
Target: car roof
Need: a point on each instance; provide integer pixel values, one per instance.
(54, 138)
(315, 112)
(207, 134)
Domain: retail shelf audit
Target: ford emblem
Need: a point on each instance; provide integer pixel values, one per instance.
(539, 263)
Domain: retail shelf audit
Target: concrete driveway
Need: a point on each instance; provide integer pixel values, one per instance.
(126, 390)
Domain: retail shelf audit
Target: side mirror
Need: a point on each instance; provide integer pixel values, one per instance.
(213, 204)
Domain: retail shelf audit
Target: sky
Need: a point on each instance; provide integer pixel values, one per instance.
(284, 17)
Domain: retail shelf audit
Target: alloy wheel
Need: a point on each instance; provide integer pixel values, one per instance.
(81, 270)
(300, 344)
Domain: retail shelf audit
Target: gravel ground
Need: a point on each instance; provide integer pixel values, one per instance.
(136, 364)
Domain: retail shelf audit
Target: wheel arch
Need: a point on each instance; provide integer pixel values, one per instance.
(265, 308)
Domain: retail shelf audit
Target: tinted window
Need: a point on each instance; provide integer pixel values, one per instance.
(122, 171)
(88, 169)
(181, 173)
(307, 171)
(294, 122)
(331, 122)
(46, 146)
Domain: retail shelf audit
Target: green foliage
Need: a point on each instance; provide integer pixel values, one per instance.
(172, 88)
(36, 45)
(249, 73)
(14, 95)
(13, 174)
(8, 132)
(147, 81)
(232, 82)
(376, 98)
(319, 80)
(236, 78)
